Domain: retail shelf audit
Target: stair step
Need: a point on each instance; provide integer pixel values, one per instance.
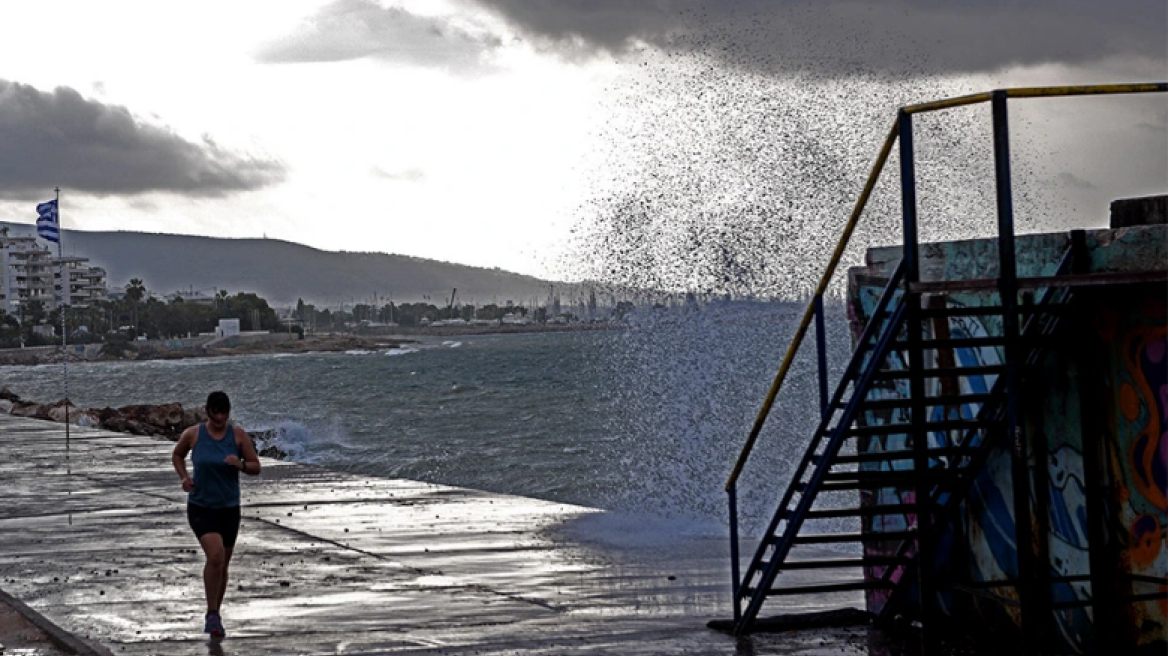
(849, 481)
(901, 429)
(1080, 603)
(933, 473)
(973, 311)
(835, 538)
(820, 588)
(930, 401)
(837, 563)
(858, 511)
(964, 311)
(904, 454)
(955, 372)
(954, 342)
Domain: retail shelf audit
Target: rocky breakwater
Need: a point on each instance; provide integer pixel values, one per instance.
(166, 420)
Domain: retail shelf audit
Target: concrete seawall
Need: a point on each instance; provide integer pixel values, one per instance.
(96, 540)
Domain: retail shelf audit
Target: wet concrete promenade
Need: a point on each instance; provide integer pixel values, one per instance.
(332, 563)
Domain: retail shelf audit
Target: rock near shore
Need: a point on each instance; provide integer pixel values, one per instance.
(167, 420)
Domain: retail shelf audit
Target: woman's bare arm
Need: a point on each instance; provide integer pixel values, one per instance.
(250, 463)
(178, 458)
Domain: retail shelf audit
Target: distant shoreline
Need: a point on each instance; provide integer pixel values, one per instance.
(501, 329)
(318, 343)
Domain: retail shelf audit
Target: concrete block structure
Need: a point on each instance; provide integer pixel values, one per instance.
(998, 432)
(1094, 417)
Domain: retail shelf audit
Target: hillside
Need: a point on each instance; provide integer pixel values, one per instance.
(282, 271)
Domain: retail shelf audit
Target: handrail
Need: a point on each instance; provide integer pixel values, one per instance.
(862, 201)
(1037, 92)
(882, 320)
(949, 103)
(1086, 90)
(797, 341)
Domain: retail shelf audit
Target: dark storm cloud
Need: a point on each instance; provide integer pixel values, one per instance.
(355, 29)
(837, 36)
(59, 138)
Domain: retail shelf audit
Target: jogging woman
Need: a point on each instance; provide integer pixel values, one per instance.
(219, 451)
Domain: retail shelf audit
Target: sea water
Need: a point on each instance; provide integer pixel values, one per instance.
(645, 420)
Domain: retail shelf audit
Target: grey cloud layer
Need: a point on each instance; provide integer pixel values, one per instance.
(355, 29)
(60, 138)
(910, 36)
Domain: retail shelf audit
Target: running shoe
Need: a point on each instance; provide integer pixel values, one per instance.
(214, 626)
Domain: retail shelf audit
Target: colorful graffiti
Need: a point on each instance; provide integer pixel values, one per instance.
(1138, 337)
(1133, 344)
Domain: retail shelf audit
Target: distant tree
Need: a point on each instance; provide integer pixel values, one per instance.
(33, 312)
(386, 313)
(247, 305)
(116, 344)
(9, 330)
(135, 292)
(363, 312)
(411, 314)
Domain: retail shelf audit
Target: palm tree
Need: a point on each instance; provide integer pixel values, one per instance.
(135, 292)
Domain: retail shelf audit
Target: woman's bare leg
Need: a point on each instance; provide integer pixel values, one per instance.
(226, 565)
(215, 571)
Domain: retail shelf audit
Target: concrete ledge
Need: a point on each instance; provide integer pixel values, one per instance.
(60, 637)
(1149, 210)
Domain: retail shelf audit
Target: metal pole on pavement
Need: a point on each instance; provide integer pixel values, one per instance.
(61, 296)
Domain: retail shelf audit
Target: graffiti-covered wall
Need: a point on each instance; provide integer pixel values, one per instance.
(1107, 369)
(1131, 333)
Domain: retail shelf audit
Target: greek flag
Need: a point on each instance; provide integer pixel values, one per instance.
(48, 227)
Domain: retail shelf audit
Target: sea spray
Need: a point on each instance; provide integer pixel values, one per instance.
(687, 385)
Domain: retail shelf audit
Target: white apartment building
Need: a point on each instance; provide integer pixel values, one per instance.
(29, 272)
(25, 273)
(86, 283)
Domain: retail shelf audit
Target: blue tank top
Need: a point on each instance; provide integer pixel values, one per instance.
(216, 482)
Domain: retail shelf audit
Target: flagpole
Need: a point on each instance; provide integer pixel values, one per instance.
(64, 328)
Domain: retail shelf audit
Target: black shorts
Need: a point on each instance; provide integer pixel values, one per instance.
(224, 521)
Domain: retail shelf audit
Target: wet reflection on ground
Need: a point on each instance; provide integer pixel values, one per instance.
(329, 563)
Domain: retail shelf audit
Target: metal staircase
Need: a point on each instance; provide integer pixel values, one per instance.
(912, 420)
(962, 420)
